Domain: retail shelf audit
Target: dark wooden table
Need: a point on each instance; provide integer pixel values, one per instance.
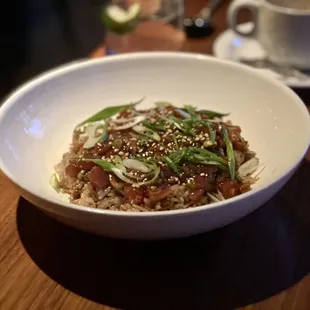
(46, 265)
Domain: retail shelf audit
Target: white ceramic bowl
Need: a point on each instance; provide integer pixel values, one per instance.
(37, 120)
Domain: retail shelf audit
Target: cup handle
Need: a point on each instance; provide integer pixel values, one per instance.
(233, 10)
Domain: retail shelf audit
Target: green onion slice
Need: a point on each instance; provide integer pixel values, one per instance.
(213, 114)
(230, 153)
(109, 112)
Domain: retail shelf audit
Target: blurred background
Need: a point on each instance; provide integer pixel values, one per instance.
(36, 35)
(39, 34)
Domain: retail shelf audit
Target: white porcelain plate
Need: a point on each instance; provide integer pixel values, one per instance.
(230, 46)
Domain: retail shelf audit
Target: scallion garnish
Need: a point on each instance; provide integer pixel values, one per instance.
(171, 164)
(109, 112)
(200, 160)
(135, 164)
(181, 124)
(207, 154)
(183, 113)
(197, 122)
(160, 125)
(178, 156)
(105, 165)
(212, 132)
(93, 139)
(142, 130)
(163, 104)
(54, 182)
(121, 172)
(156, 171)
(133, 122)
(175, 140)
(197, 156)
(229, 152)
(212, 114)
(190, 110)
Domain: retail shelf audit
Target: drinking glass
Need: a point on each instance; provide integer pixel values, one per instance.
(159, 27)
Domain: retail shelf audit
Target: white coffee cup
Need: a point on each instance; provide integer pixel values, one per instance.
(282, 27)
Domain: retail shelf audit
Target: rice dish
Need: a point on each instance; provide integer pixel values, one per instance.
(163, 158)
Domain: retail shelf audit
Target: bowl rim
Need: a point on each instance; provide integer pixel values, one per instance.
(12, 97)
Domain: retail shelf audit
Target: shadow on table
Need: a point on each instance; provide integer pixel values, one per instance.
(242, 263)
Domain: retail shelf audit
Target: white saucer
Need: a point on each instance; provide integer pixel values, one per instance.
(229, 45)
